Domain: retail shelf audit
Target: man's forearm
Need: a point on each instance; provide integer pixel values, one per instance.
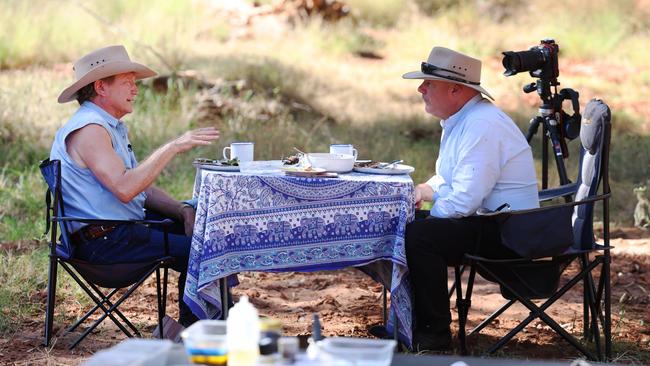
(137, 180)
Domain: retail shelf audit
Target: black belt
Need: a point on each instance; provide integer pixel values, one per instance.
(91, 232)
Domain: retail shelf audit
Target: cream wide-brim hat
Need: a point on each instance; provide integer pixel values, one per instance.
(451, 66)
(102, 63)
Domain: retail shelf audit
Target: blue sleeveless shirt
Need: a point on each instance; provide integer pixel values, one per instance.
(83, 195)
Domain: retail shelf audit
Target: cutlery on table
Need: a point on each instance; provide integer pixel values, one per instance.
(390, 165)
(305, 155)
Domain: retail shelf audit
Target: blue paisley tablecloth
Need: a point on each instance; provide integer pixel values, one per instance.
(247, 222)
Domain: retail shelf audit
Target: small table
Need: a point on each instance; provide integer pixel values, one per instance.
(273, 222)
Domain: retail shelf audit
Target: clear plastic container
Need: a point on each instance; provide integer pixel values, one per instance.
(136, 352)
(205, 342)
(343, 351)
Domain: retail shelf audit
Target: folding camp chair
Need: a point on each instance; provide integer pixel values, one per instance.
(91, 276)
(549, 239)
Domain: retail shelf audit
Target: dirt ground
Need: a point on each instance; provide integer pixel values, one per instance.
(349, 302)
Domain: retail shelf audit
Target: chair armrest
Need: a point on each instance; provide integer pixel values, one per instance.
(555, 206)
(165, 222)
(561, 191)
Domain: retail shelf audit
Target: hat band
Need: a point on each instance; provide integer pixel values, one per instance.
(431, 69)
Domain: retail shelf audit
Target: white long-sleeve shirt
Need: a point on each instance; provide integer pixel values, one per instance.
(484, 162)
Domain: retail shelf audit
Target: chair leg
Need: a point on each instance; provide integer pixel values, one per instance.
(51, 300)
(160, 304)
(108, 312)
(589, 297)
(107, 300)
(89, 313)
(165, 281)
(607, 326)
(97, 301)
(539, 311)
(494, 315)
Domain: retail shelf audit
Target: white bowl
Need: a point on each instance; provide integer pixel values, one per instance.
(337, 163)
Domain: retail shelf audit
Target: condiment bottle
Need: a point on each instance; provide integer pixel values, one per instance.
(243, 334)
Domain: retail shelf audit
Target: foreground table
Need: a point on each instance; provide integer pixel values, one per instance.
(273, 222)
(164, 352)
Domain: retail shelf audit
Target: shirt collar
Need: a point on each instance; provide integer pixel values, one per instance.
(114, 122)
(450, 122)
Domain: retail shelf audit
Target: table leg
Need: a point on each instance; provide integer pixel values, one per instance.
(223, 283)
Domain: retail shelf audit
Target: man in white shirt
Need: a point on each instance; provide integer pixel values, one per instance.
(484, 163)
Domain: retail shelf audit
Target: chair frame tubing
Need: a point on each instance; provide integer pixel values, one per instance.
(593, 310)
(100, 299)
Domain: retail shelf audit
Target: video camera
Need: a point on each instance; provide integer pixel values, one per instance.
(541, 62)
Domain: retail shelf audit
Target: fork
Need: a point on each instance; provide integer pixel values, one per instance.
(390, 165)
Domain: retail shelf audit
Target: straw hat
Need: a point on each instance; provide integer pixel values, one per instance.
(448, 65)
(99, 64)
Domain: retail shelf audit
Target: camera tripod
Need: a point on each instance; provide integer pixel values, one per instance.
(557, 126)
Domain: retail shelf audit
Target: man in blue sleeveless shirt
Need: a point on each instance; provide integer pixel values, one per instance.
(484, 163)
(101, 177)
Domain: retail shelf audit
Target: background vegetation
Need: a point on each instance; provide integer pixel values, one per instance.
(298, 82)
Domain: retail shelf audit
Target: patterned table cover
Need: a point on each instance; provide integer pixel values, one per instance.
(273, 222)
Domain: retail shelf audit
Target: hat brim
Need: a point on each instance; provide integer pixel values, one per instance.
(104, 71)
(421, 75)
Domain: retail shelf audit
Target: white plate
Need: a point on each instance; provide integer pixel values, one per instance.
(398, 169)
(221, 168)
(302, 172)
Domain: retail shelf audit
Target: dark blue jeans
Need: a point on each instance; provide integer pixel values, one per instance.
(138, 243)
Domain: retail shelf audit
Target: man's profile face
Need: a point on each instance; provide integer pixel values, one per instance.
(436, 97)
(120, 94)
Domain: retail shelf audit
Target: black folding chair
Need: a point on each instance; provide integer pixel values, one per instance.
(549, 239)
(90, 276)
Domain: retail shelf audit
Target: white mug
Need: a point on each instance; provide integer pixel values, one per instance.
(343, 149)
(243, 151)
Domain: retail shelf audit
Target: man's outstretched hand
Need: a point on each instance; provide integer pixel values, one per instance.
(199, 137)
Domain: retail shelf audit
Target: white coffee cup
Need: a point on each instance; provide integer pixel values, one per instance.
(343, 149)
(243, 151)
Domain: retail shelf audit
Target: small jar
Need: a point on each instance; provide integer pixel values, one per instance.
(270, 332)
(288, 348)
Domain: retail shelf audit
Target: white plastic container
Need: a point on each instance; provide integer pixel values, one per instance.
(205, 342)
(337, 163)
(343, 351)
(243, 334)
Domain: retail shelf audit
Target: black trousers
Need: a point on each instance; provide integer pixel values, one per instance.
(140, 243)
(433, 244)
